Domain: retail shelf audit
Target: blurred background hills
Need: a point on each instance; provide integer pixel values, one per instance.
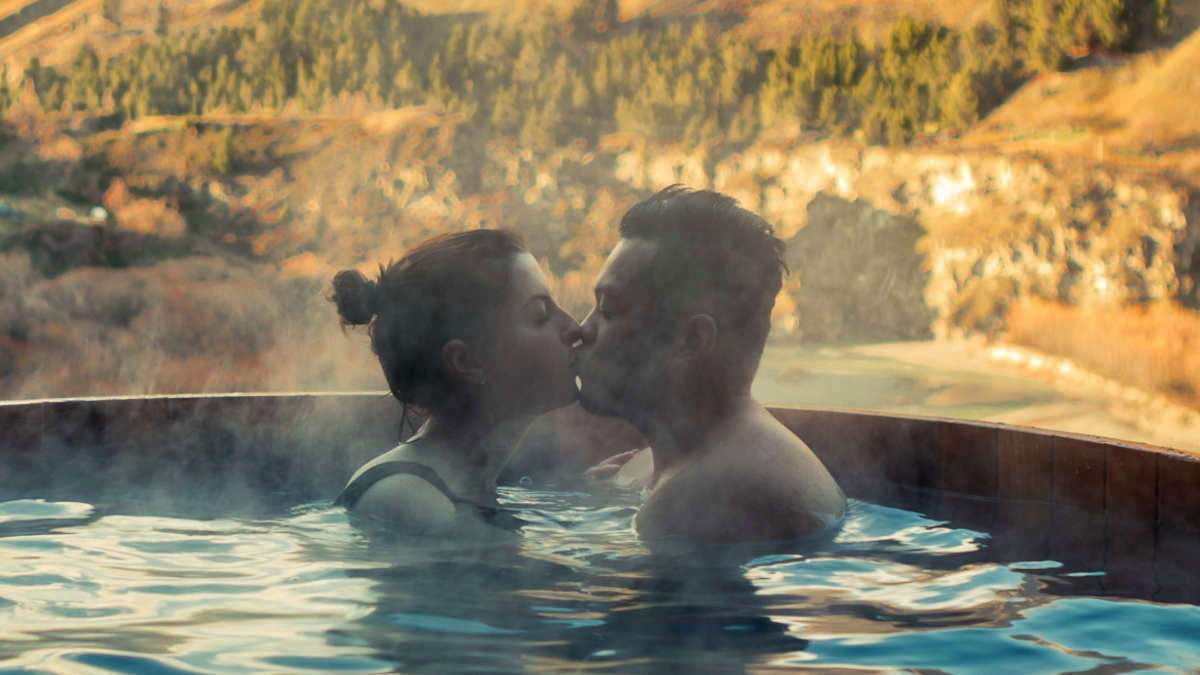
(179, 180)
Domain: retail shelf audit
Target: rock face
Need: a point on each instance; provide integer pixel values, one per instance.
(885, 243)
(993, 229)
(859, 274)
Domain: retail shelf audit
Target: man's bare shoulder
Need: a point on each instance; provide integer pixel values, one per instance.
(762, 482)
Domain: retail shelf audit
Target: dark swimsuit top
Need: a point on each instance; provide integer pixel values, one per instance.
(355, 489)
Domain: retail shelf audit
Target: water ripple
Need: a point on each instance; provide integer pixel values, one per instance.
(308, 592)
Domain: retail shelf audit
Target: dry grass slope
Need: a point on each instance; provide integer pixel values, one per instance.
(1136, 111)
(774, 21)
(1160, 110)
(57, 37)
(1156, 348)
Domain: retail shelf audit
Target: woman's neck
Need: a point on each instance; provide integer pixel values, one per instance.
(473, 447)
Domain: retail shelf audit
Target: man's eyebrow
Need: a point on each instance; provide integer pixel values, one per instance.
(539, 296)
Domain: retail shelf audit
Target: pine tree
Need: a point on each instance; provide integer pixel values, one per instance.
(222, 157)
(896, 131)
(504, 115)
(372, 73)
(111, 11)
(600, 76)
(404, 84)
(1044, 48)
(774, 105)
(827, 111)
(960, 104)
(580, 96)
(6, 97)
(161, 19)
(308, 89)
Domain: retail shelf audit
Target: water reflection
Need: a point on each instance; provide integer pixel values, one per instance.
(577, 591)
(307, 591)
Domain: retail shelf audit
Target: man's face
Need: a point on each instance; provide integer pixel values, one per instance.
(621, 363)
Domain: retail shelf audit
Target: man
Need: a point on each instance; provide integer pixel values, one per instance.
(683, 308)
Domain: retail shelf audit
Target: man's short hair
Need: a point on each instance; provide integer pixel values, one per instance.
(711, 251)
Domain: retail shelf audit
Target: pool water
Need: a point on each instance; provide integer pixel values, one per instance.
(82, 590)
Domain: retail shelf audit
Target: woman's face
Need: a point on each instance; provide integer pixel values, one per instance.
(529, 368)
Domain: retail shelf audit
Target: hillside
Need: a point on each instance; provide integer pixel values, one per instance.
(884, 244)
(54, 37)
(774, 22)
(252, 162)
(1137, 112)
(1160, 109)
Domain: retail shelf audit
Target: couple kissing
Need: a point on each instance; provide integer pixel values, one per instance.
(466, 330)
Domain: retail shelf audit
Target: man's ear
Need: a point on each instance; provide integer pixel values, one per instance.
(699, 336)
(460, 361)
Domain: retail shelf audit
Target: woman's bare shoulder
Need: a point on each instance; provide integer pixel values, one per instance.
(408, 503)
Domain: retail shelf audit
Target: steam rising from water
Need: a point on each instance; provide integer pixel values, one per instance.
(190, 325)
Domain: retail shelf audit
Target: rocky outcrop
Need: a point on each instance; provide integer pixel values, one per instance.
(994, 228)
(857, 274)
(886, 243)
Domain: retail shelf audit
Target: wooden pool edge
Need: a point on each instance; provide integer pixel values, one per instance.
(1128, 508)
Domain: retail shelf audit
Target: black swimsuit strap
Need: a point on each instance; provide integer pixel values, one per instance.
(359, 486)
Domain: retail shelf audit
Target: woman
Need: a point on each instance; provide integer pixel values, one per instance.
(465, 329)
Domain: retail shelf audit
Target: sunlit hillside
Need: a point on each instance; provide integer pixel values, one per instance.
(54, 30)
(107, 26)
(1138, 111)
(937, 168)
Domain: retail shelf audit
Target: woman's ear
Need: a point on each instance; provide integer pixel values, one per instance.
(460, 361)
(699, 336)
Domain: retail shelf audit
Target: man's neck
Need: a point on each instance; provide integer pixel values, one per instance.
(679, 434)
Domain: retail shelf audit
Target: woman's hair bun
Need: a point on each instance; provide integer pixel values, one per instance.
(356, 297)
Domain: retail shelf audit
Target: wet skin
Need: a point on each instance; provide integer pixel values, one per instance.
(724, 469)
(524, 370)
